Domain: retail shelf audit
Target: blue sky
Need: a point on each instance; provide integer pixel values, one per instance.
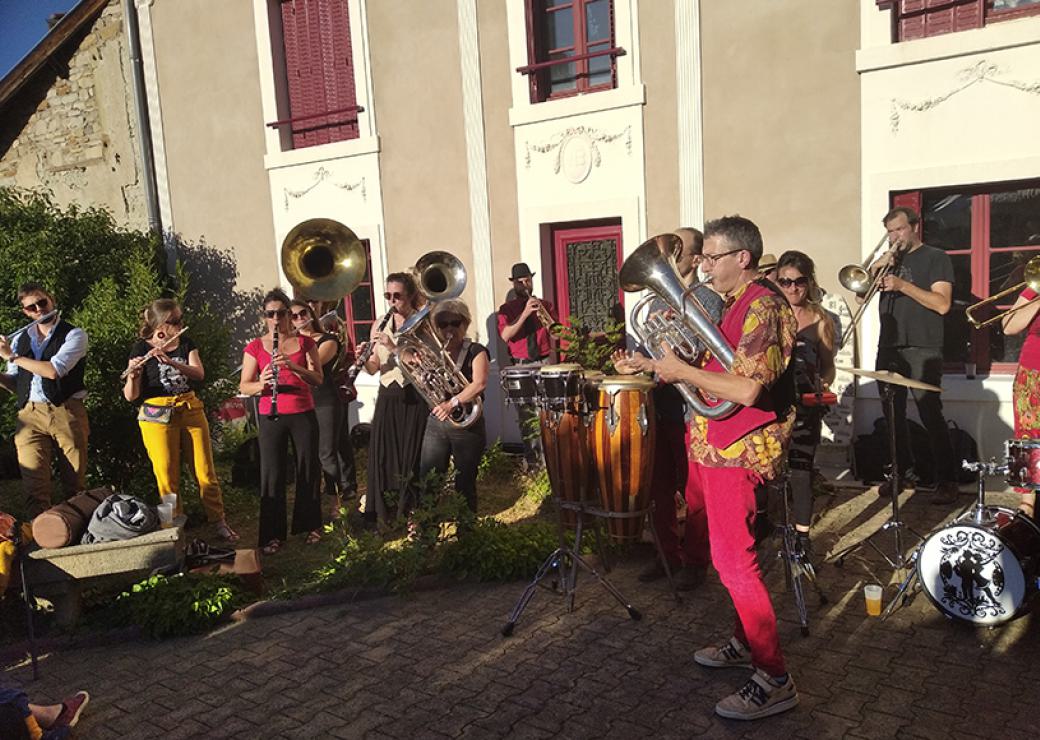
(22, 24)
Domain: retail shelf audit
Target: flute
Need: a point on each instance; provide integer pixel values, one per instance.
(275, 370)
(138, 362)
(353, 370)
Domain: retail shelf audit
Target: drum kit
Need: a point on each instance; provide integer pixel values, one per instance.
(597, 435)
(982, 567)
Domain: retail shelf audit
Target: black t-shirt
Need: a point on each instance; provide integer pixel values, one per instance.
(904, 321)
(326, 393)
(163, 380)
(469, 352)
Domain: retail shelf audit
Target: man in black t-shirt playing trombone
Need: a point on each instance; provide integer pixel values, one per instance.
(915, 296)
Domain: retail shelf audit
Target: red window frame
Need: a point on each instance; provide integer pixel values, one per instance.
(360, 327)
(554, 255)
(540, 63)
(915, 19)
(980, 251)
(319, 72)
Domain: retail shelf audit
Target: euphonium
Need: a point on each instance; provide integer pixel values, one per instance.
(692, 330)
(420, 353)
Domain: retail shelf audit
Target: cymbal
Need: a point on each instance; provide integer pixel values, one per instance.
(886, 376)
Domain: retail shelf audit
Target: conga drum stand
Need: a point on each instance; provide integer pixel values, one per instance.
(561, 566)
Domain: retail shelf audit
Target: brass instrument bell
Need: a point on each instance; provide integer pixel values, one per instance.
(323, 259)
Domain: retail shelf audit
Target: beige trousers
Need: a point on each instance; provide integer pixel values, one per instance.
(40, 427)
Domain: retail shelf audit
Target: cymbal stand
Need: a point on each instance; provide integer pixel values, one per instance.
(796, 564)
(895, 524)
(562, 564)
(978, 513)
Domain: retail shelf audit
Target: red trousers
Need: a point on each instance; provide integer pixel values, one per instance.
(671, 463)
(729, 500)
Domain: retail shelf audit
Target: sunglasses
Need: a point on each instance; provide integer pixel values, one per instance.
(453, 324)
(37, 307)
(276, 313)
(395, 296)
(801, 282)
(297, 315)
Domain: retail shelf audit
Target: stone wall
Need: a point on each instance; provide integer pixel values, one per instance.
(72, 128)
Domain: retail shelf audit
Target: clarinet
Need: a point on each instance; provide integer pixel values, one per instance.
(359, 363)
(273, 413)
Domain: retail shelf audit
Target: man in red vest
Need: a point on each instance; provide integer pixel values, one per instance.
(731, 455)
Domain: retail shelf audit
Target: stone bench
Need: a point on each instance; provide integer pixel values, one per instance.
(60, 574)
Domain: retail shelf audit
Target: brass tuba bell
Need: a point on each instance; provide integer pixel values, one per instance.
(323, 259)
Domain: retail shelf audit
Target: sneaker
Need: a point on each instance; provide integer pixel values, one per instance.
(71, 709)
(690, 578)
(945, 493)
(731, 655)
(655, 571)
(760, 697)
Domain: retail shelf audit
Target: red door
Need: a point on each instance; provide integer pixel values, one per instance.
(585, 263)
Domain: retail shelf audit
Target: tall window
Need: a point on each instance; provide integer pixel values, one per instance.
(915, 19)
(990, 232)
(319, 72)
(359, 306)
(570, 47)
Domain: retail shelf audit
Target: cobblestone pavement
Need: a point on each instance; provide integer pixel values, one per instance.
(433, 665)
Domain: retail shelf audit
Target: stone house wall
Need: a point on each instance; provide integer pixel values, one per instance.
(72, 130)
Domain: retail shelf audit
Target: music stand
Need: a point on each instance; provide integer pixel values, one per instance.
(886, 389)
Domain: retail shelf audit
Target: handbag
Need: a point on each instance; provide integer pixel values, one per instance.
(155, 414)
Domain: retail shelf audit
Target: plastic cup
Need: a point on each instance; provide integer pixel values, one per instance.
(165, 515)
(872, 593)
(171, 499)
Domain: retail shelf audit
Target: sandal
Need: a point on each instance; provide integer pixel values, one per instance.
(226, 533)
(271, 547)
(313, 538)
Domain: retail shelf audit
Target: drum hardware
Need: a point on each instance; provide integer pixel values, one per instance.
(796, 565)
(887, 391)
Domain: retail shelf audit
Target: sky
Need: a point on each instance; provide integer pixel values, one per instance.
(22, 24)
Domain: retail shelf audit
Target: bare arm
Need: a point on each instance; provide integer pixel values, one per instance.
(249, 384)
(311, 372)
(727, 386)
(473, 389)
(939, 298)
(509, 331)
(1019, 321)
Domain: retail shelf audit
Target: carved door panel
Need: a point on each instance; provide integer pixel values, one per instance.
(586, 262)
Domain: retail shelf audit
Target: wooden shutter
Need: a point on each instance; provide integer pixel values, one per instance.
(320, 71)
(921, 18)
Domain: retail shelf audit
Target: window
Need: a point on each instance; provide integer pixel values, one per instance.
(990, 233)
(915, 19)
(319, 72)
(570, 48)
(359, 306)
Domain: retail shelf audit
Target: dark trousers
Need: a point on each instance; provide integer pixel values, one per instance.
(335, 450)
(800, 459)
(442, 442)
(924, 364)
(274, 439)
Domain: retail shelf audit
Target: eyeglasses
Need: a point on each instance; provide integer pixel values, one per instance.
(453, 324)
(711, 259)
(395, 296)
(175, 320)
(38, 307)
(297, 315)
(276, 313)
(801, 282)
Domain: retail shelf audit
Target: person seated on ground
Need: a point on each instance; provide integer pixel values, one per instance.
(20, 718)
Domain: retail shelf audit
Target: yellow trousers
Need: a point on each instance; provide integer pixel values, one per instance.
(163, 443)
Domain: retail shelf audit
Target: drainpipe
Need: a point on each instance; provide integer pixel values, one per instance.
(144, 126)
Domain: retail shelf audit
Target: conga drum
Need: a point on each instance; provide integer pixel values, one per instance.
(621, 439)
(564, 435)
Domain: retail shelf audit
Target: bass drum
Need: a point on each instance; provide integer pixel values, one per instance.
(981, 573)
(621, 445)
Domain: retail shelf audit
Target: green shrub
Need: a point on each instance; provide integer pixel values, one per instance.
(590, 348)
(102, 276)
(493, 551)
(494, 462)
(178, 605)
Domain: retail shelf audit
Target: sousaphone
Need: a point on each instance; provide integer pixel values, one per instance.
(323, 259)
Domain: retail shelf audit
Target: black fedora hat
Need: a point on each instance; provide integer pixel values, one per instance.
(520, 270)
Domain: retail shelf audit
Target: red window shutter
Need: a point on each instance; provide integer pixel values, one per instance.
(912, 199)
(320, 71)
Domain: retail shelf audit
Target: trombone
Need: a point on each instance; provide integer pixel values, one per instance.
(1032, 279)
(857, 278)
